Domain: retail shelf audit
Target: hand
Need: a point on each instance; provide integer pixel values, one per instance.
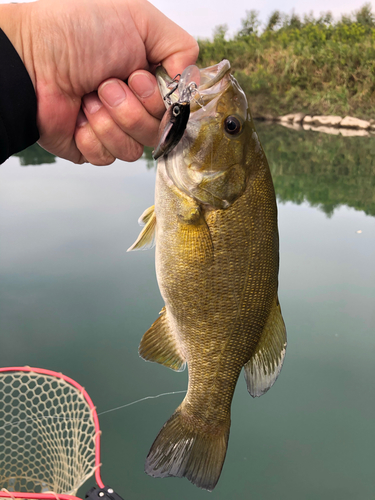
(78, 54)
(119, 119)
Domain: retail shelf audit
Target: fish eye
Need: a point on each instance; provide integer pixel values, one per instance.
(232, 125)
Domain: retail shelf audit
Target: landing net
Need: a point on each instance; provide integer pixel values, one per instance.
(49, 434)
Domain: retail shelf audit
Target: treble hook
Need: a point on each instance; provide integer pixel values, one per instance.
(175, 81)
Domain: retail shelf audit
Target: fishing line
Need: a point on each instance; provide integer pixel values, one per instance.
(28, 420)
(140, 400)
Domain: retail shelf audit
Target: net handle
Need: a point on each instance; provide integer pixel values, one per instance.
(82, 390)
(14, 495)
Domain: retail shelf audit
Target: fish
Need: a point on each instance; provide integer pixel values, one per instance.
(214, 226)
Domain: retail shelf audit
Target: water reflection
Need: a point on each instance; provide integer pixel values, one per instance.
(35, 155)
(327, 171)
(324, 170)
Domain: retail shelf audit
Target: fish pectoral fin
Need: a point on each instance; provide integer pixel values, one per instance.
(159, 344)
(264, 366)
(147, 215)
(146, 238)
(196, 239)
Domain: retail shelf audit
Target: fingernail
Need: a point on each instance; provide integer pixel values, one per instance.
(141, 85)
(112, 93)
(81, 119)
(92, 103)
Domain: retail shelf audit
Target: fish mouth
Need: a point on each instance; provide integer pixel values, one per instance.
(209, 78)
(193, 91)
(213, 74)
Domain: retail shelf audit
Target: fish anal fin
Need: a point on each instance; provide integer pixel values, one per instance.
(264, 366)
(184, 450)
(159, 344)
(146, 238)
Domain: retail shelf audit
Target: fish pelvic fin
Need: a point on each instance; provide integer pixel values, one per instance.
(160, 344)
(264, 366)
(146, 238)
(182, 450)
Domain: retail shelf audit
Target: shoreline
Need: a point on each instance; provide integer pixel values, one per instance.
(331, 124)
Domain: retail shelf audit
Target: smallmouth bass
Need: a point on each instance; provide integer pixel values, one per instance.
(217, 258)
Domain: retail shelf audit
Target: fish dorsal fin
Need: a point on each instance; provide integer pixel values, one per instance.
(264, 366)
(146, 238)
(160, 344)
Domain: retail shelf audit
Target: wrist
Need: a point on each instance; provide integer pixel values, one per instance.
(14, 21)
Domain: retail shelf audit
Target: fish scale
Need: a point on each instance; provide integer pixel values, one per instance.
(217, 258)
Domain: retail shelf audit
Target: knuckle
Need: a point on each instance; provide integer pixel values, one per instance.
(134, 120)
(104, 127)
(102, 160)
(133, 152)
(79, 159)
(193, 50)
(100, 156)
(92, 149)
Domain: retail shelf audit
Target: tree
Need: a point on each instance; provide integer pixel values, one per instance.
(274, 20)
(220, 31)
(250, 24)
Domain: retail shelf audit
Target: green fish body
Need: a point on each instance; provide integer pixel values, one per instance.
(217, 260)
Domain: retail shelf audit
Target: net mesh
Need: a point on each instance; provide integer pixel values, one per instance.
(47, 434)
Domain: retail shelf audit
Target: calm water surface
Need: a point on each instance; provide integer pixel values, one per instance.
(73, 300)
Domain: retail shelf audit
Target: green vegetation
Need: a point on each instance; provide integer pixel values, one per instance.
(35, 155)
(318, 66)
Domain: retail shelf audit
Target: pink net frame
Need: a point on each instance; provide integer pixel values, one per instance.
(75, 387)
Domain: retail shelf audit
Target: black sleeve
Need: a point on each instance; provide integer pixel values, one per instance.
(18, 105)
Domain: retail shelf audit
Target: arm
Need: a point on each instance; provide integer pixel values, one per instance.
(18, 106)
(78, 54)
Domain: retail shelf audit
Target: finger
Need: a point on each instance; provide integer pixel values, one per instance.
(144, 86)
(128, 112)
(170, 45)
(107, 131)
(88, 143)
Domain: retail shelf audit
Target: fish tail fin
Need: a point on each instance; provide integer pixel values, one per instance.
(181, 450)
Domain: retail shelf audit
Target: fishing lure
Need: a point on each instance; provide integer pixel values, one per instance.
(175, 119)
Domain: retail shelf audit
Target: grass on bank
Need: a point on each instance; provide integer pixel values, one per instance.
(313, 65)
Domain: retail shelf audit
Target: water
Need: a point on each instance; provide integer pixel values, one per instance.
(73, 300)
